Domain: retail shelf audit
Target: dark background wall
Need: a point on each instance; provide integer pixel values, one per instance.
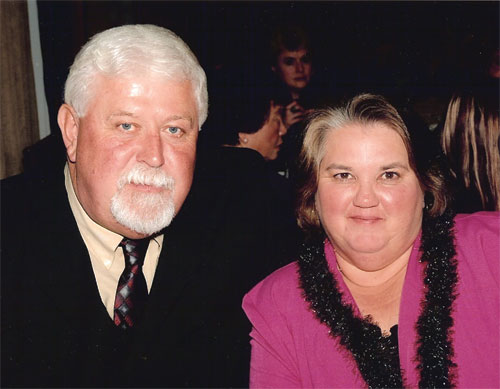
(416, 50)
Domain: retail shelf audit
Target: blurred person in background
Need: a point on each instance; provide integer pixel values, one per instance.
(244, 137)
(470, 140)
(291, 60)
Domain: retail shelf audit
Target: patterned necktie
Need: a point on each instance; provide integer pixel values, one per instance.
(132, 290)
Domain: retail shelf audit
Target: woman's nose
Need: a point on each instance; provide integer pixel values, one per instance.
(366, 196)
(282, 130)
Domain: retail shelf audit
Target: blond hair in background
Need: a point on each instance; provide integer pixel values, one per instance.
(470, 140)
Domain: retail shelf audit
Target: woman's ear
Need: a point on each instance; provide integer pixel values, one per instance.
(69, 124)
(243, 138)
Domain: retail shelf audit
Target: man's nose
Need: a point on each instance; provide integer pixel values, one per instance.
(366, 195)
(151, 150)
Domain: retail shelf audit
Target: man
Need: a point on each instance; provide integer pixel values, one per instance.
(73, 235)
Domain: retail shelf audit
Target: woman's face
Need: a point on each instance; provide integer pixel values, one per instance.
(368, 199)
(294, 69)
(268, 139)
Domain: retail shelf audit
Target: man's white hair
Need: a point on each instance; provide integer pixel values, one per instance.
(132, 50)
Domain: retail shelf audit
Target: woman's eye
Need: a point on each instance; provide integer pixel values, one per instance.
(342, 176)
(390, 175)
(126, 126)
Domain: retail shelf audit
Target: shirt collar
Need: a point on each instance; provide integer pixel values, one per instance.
(101, 242)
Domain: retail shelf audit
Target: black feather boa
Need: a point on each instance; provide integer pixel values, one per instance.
(377, 359)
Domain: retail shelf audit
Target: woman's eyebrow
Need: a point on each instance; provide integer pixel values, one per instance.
(337, 166)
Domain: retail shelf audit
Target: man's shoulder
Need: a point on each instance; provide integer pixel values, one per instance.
(32, 205)
(15, 195)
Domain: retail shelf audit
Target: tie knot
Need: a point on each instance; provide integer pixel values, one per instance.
(134, 250)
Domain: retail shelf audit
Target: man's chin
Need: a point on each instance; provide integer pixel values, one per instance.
(144, 215)
(143, 227)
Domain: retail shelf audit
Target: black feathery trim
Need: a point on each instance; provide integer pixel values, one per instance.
(376, 357)
(434, 326)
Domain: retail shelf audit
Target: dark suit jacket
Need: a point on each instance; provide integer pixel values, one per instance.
(55, 329)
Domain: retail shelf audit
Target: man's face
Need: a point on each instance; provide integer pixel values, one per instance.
(132, 155)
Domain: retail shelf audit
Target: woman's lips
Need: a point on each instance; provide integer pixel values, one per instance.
(365, 219)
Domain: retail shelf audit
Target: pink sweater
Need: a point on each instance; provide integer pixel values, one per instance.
(291, 348)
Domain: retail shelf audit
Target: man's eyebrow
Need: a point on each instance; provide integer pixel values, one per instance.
(179, 117)
(169, 118)
(120, 113)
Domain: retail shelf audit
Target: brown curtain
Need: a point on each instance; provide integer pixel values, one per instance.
(18, 118)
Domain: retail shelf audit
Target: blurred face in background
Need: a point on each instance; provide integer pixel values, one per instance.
(294, 68)
(268, 139)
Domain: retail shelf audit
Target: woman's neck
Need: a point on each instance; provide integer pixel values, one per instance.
(294, 94)
(377, 293)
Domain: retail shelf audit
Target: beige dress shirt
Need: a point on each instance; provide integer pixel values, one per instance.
(106, 256)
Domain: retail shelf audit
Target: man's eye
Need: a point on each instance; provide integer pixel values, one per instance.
(174, 130)
(288, 61)
(126, 126)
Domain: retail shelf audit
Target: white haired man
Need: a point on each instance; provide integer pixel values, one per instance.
(96, 291)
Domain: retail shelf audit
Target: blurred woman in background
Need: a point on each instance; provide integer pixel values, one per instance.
(470, 140)
(292, 64)
(244, 136)
(291, 60)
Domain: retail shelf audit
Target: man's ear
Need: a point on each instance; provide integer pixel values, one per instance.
(273, 68)
(69, 124)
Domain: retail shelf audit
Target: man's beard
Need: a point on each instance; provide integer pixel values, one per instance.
(142, 212)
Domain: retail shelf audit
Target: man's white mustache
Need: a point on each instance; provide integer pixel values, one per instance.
(142, 175)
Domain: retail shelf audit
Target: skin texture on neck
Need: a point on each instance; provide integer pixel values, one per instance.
(377, 293)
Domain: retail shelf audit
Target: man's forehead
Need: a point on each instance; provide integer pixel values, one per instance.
(124, 96)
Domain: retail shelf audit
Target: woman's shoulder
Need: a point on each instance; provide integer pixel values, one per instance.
(280, 288)
(477, 224)
(477, 237)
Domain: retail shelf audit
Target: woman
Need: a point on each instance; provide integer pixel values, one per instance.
(246, 116)
(265, 138)
(390, 290)
(245, 135)
(292, 70)
(470, 139)
(292, 65)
